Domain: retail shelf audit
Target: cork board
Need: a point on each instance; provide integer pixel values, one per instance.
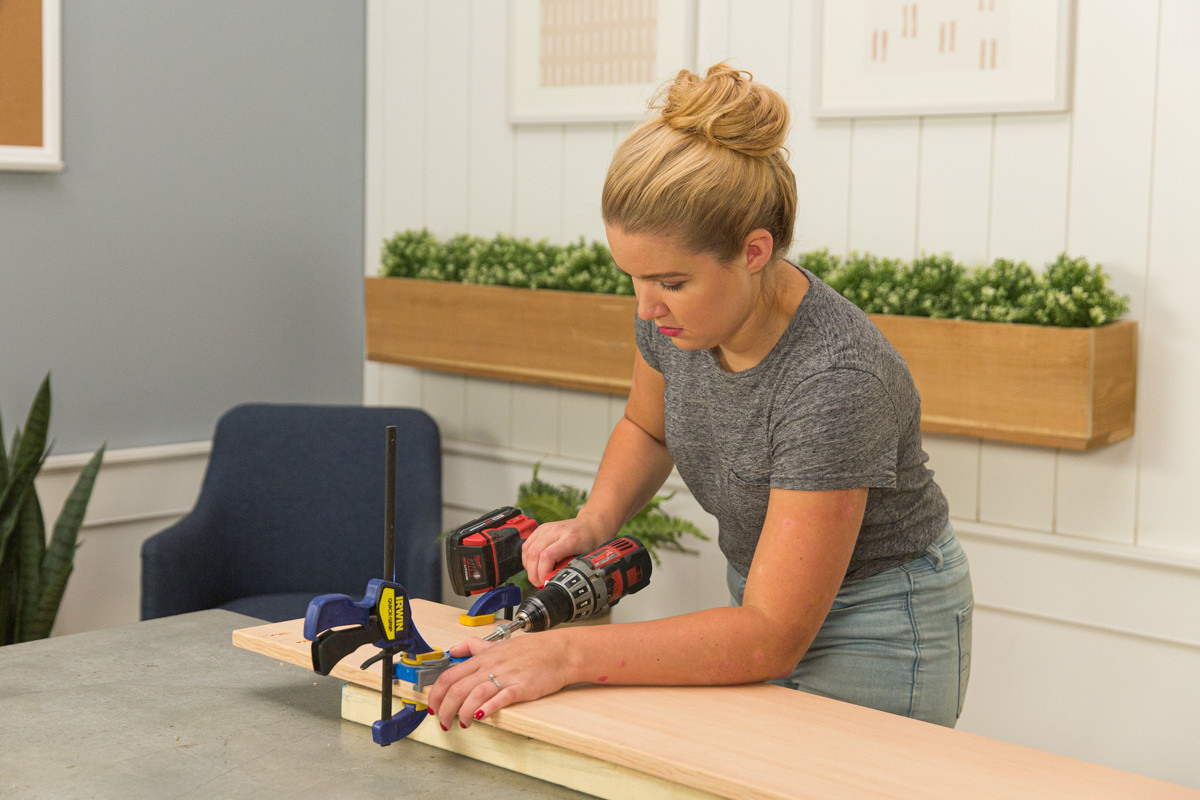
(29, 84)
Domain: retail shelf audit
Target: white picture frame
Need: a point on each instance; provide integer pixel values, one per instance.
(47, 157)
(534, 101)
(890, 58)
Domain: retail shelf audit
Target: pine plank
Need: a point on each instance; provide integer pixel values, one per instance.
(527, 756)
(751, 741)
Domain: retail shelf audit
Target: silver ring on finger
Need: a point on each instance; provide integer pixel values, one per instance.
(492, 678)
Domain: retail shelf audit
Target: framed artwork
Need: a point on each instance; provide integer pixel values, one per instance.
(887, 58)
(31, 85)
(594, 60)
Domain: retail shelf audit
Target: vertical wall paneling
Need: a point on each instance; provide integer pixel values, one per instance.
(1112, 138)
(587, 150)
(372, 380)
(955, 464)
(444, 396)
(1169, 391)
(538, 174)
(952, 209)
(405, 86)
(1111, 145)
(759, 41)
(712, 32)
(583, 424)
(820, 151)
(400, 385)
(1029, 189)
(535, 418)
(1031, 164)
(447, 117)
(1096, 497)
(490, 157)
(1017, 486)
(488, 412)
(883, 187)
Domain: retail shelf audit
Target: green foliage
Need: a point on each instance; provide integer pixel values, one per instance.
(1068, 293)
(548, 502)
(504, 261)
(33, 576)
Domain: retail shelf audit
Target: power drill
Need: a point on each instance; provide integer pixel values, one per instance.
(582, 588)
(484, 553)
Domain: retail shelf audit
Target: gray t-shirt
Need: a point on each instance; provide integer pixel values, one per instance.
(832, 406)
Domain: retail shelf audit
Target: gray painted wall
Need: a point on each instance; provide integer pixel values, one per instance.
(204, 246)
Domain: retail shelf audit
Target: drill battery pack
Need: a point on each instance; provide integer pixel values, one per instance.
(486, 552)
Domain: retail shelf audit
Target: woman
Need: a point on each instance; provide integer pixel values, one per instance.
(791, 420)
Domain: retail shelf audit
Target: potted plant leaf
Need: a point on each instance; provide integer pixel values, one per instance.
(33, 574)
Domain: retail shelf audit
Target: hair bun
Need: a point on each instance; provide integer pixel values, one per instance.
(726, 107)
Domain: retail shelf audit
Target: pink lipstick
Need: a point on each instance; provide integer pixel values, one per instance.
(670, 331)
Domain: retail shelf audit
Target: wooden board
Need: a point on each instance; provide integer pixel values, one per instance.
(1056, 387)
(527, 756)
(748, 741)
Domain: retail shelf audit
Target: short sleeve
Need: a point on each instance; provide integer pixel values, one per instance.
(838, 430)
(644, 331)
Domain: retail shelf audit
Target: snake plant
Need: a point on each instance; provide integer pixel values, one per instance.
(33, 574)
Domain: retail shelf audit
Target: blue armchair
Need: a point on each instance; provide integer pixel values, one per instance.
(292, 506)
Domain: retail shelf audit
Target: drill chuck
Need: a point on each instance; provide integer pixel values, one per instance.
(585, 587)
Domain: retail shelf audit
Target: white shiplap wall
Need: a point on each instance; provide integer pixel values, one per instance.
(1087, 566)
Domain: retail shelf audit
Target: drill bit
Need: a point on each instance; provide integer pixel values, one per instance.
(502, 632)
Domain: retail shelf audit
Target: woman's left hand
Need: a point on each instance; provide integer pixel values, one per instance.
(498, 674)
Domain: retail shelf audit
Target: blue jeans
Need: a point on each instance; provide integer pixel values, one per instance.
(898, 641)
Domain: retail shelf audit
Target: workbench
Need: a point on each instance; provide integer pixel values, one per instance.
(168, 708)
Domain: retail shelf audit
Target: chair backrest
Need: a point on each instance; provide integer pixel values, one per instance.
(299, 491)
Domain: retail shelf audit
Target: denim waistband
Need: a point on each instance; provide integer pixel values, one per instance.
(944, 547)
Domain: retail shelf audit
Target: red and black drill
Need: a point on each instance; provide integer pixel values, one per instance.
(486, 552)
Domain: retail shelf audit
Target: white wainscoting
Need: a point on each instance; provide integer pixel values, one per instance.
(138, 492)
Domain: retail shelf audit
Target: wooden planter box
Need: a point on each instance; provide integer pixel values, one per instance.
(570, 339)
(1058, 387)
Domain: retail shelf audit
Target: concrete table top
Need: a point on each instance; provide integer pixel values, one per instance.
(168, 708)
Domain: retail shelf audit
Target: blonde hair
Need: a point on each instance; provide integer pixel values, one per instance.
(710, 167)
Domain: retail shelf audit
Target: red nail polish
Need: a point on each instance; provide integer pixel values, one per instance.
(462, 725)
(432, 712)
(479, 714)
(444, 727)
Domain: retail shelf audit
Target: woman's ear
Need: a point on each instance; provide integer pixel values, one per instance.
(757, 248)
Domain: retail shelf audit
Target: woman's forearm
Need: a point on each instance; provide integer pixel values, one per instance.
(717, 646)
(633, 468)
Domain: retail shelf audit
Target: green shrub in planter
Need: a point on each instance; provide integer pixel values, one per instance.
(504, 261)
(1068, 293)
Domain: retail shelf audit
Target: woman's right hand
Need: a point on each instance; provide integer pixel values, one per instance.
(549, 544)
